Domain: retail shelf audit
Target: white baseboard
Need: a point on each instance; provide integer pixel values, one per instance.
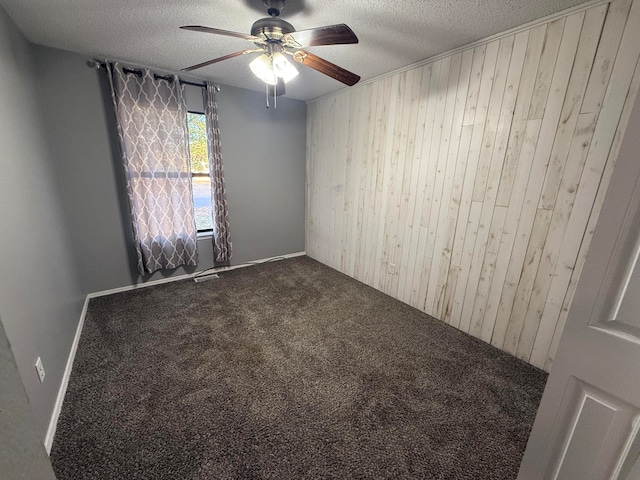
(254, 262)
(189, 275)
(53, 423)
(136, 286)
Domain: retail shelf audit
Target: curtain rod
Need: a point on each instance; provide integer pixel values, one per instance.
(96, 64)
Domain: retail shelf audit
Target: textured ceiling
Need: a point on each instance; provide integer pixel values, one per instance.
(392, 34)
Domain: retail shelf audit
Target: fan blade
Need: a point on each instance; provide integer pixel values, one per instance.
(219, 59)
(280, 90)
(217, 31)
(330, 35)
(326, 67)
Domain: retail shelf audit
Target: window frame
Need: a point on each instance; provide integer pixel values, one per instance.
(209, 231)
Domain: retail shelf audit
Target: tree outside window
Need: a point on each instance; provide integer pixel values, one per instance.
(201, 178)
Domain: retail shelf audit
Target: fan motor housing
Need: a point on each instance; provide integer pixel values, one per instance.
(271, 28)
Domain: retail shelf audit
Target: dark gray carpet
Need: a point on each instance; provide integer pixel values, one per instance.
(287, 370)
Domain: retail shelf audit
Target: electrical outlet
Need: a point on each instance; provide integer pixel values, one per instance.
(393, 269)
(40, 369)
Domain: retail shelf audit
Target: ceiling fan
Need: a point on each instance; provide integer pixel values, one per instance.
(275, 38)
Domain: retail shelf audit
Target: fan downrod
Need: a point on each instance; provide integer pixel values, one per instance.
(274, 7)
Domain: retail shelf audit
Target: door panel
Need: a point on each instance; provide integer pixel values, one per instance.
(589, 417)
(628, 310)
(599, 428)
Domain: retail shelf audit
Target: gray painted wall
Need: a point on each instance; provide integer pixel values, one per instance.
(64, 218)
(264, 161)
(78, 130)
(40, 294)
(22, 453)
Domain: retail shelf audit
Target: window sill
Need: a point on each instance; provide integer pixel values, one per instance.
(204, 235)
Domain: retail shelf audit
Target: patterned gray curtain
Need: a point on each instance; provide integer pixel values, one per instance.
(221, 239)
(152, 125)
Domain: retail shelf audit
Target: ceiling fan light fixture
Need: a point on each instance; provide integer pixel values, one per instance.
(261, 68)
(275, 38)
(268, 69)
(283, 68)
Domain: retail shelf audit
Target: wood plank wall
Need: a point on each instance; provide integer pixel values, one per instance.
(469, 187)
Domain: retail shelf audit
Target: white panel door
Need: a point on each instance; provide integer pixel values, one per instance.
(588, 421)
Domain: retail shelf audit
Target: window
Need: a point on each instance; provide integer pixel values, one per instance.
(201, 178)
